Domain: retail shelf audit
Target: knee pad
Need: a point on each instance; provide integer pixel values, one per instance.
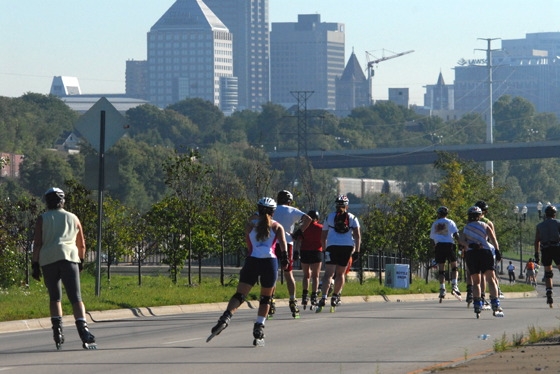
(454, 269)
(265, 300)
(239, 297)
(548, 274)
(441, 272)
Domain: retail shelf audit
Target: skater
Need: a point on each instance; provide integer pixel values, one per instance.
(476, 238)
(484, 207)
(58, 253)
(547, 241)
(341, 239)
(511, 272)
(265, 238)
(311, 259)
(443, 235)
(288, 216)
(530, 273)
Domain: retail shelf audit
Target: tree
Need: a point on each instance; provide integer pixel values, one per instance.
(188, 178)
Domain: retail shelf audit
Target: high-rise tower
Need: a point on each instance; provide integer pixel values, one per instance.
(248, 21)
(306, 56)
(190, 51)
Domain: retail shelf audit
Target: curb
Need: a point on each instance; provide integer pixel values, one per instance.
(144, 312)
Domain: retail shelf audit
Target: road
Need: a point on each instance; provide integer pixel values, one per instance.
(361, 337)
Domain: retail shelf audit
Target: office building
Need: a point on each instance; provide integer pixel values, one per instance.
(306, 56)
(248, 21)
(189, 51)
(528, 68)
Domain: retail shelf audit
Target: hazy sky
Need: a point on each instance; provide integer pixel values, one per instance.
(93, 39)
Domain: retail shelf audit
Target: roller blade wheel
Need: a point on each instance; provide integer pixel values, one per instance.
(320, 306)
(498, 313)
(441, 295)
(457, 295)
(258, 342)
(58, 340)
(89, 346)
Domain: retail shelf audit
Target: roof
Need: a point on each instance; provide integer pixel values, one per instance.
(189, 14)
(353, 71)
(82, 103)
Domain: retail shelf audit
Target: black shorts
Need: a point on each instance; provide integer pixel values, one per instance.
(67, 272)
(550, 254)
(265, 268)
(338, 254)
(479, 260)
(445, 252)
(311, 257)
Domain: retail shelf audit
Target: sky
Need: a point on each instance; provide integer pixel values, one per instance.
(92, 40)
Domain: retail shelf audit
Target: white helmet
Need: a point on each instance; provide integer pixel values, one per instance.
(267, 202)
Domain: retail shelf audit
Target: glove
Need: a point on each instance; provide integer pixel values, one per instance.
(298, 234)
(81, 265)
(36, 273)
(498, 255)
(284, 260)
(355, 257)
(537, 258)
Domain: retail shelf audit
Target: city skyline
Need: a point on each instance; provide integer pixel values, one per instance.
(93, 42)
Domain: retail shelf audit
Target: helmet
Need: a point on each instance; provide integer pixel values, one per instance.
(54, 195)
(313, 214)
(285, 197)
(342, 200)
(550, 211)
(482, 205)
(267, 202)
(474, 211)
(442, 211)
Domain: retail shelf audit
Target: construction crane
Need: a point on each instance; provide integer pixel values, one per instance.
(376, 61)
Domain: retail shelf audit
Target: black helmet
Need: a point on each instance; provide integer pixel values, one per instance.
(442, 211)
(313, 214)
(54, 195)
(550, 211)
(342, 200)
(284, 197)
(482, 205)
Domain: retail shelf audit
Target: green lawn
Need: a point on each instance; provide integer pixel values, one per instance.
(123, 292)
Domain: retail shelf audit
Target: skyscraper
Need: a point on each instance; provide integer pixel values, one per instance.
(189, 51)
(306, 56)
(248, 21)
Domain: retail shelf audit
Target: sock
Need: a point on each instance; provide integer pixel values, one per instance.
(260, 319)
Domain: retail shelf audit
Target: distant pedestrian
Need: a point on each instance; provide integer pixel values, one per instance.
(511, 272)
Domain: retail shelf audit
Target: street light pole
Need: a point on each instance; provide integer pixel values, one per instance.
(520, 217)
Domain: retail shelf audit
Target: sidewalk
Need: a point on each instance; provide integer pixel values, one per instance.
(119, 314)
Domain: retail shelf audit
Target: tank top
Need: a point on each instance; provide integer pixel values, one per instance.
(262, 249)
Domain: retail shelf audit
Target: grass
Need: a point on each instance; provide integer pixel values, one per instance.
(17, 303)
(535, 335)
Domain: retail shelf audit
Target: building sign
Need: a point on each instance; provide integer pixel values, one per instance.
(475, 62)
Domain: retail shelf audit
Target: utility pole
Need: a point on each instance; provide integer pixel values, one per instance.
(490, 124)
(303, 171)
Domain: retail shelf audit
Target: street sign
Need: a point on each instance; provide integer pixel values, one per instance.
(88, 124)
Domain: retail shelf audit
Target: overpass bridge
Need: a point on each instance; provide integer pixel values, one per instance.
(342, 159)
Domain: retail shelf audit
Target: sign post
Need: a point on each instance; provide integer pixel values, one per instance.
(104, 137)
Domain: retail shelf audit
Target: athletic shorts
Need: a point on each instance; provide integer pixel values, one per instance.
(550, 254)
(67, 272)
(338, 254)
(290, 256)
(445, 252)
(479, 260)
(264, 268)
(311, 257)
